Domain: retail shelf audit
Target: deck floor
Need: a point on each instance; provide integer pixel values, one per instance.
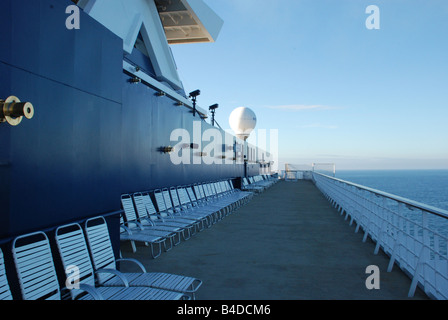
(288, 243)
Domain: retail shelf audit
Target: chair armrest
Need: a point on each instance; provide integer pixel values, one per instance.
(169, 213)
(149, 221)
(138, 263)
(87, 289)
(116, 273)
(91, 290)
(126, 229)
(137, 224)
(159, 216)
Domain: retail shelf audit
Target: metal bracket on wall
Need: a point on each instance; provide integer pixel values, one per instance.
(12, 110)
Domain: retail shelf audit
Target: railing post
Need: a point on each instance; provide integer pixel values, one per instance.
(397, 238)
(423, 256)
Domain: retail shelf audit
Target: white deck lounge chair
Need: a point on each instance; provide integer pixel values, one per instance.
(246, 185)
(138, 234)
(213, 198)
(147, 216)
(165, 215)
(103, 258)
(36, 270)
(148, 229)
(162, 219)
(5, 291)
(245, 196)
(186, 205)
(224, 191)
(221, 193)
(199, 190)
(196, 203)
(214, 195)
(35, 267)
(73, 251)
(185, 210)
(261, 181)
(172, 207)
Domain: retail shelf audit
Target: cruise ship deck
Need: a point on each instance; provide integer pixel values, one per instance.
(288, 243)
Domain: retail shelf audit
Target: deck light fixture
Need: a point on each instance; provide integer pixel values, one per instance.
(166, 149)
(135, 80)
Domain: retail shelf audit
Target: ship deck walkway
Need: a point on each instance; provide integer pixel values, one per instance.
(288, 243)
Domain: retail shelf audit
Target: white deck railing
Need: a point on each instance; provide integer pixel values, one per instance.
(414, 235)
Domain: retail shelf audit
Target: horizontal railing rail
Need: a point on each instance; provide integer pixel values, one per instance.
(414, 235)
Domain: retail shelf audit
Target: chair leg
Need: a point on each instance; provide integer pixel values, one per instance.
(159, 244)
(178, 236)
(170, 240)
(186, 234)
(134, 248)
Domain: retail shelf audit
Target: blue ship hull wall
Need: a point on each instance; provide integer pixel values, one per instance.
(94, 135)
(53, 168)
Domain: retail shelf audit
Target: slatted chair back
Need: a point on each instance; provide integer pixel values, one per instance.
(73, 251)
(203, 189)
(211, 190)
(183, 197)
(215, 189)
(140, 205)
(218, 188)
(145, 206)
(228, 186)
(222, 186)
(160, 201)
(191, 195)
(5, 291)
(128, 208)
(197, 191)
(174, 197)
(207, 190)
(98, 239)
(35, 267)
(167, 198)
(149, 205)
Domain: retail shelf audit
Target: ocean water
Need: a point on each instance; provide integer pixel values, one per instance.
(426, 186)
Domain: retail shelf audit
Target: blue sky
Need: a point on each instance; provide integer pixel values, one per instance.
(335, 90)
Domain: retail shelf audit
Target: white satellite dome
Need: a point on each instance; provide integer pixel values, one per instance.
(242, 120)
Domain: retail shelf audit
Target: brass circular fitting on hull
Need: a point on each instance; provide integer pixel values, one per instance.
(12, 110)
